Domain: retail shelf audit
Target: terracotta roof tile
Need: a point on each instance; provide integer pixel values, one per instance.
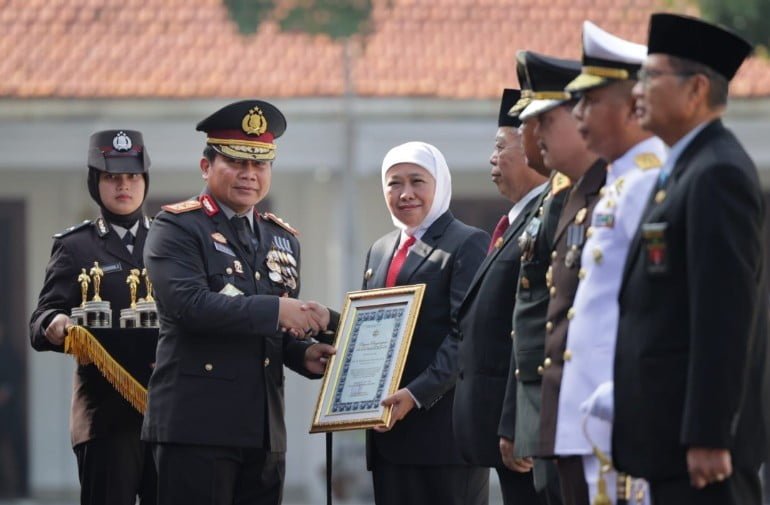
(191, 48)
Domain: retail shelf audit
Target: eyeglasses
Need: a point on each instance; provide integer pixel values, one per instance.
(644, 75)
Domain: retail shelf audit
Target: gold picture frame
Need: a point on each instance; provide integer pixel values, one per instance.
(372, 342)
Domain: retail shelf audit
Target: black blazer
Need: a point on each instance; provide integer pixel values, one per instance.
(484, 323)
(692, 331)
(445, 259)
(97, 409)
(219, 374)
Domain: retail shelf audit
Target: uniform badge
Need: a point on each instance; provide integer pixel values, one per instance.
(101, 227)
(208, 205)
(224, 248)
(576, 236)
(218, 237)
(572, 257)
(230, 290)
(656, 249)
(602, 220)
(122, 142)
(254, 122)
(526, 240)
(238, 267)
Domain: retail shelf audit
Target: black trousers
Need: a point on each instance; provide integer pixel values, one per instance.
(742, 488)
(516, 488)
(115, 470)
(574, 489)
(397, 484)
(211, 475)
(547, 484)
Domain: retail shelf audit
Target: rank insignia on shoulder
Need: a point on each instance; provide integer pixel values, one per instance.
(186, 206)
(269, 216)
(72, 229)
(646, 161)
(559, 183)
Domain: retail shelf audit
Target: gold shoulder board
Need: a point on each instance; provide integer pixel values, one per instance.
(646, 161)
(559, 183)
(186, 206)
(269, 216)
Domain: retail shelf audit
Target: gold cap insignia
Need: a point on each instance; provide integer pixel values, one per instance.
(254, 122)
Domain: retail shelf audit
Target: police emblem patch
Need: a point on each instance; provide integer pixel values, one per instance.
(122, 142)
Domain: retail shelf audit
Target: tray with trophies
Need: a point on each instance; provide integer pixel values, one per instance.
(125, 355)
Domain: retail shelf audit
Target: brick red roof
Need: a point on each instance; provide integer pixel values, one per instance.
(191, 48)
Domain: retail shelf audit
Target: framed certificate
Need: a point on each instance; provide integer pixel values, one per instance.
(372, 343)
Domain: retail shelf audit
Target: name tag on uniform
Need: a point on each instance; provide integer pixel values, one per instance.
(115, 267)
(223, 248)
(230, 290)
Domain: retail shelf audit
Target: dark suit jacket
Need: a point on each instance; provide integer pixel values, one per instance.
(682, 377)
(523, 385)
(445, 259)
(484, 328)
(219, 373)
(97, 409)
(563, 286)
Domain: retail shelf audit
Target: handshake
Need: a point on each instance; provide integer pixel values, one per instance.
(302, 319)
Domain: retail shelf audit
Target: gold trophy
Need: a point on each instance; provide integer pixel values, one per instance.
(146, 308)
(77, 314)
(97, 312)
(129, 317)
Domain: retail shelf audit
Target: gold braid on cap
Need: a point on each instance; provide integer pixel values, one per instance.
(243, 149)
(550, 95)
(609, 73)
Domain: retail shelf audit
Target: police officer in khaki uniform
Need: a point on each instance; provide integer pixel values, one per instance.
(226, 279)
(113, 465)
(564, 150)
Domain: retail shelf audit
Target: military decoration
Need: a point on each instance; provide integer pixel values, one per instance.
(576, 236)
(282, 264)
(656, 249)
(526, 240)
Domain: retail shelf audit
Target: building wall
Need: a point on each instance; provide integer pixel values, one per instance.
(326, 183)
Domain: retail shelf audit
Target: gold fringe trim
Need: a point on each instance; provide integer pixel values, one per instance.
(87, 349)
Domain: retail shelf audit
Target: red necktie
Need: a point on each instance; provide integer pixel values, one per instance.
(502, 225)
(398, 261)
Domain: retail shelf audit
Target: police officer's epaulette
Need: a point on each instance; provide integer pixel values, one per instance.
(186, 206)
(269, 216)
(646, 161)
(73, 229)
(559, 183)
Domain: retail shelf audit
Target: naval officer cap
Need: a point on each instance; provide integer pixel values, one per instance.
(118, 152)
(244, 130)
(606, 59)
(526, 89)
(696, 40)
(548, 77)
(508, 100)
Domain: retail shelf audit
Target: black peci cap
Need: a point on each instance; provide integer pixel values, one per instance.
(696, 40)
(118, 152)
(244, 130)
(509, 99)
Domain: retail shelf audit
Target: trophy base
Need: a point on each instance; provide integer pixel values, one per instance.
(129, 318)
(78, 316)
(148, 314)
(98, 314)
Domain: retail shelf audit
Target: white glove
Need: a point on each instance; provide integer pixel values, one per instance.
(600, 403)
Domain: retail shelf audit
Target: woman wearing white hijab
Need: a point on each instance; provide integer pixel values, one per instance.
(415, 460)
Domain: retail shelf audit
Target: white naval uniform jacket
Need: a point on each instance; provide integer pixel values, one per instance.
(590, 348)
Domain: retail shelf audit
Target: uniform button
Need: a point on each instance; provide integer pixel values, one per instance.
(554, 255)
(582, 274)
(257, 275)
(553, 291)
(267, 361)
(603, 191)
(598, 255)
(540, 370)
(513, 334)
(229, 271)
(547, 363)
(571, 313)
(549, 326)
(208, 367)
(589, 232)
(516, 374)
(567, 355)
